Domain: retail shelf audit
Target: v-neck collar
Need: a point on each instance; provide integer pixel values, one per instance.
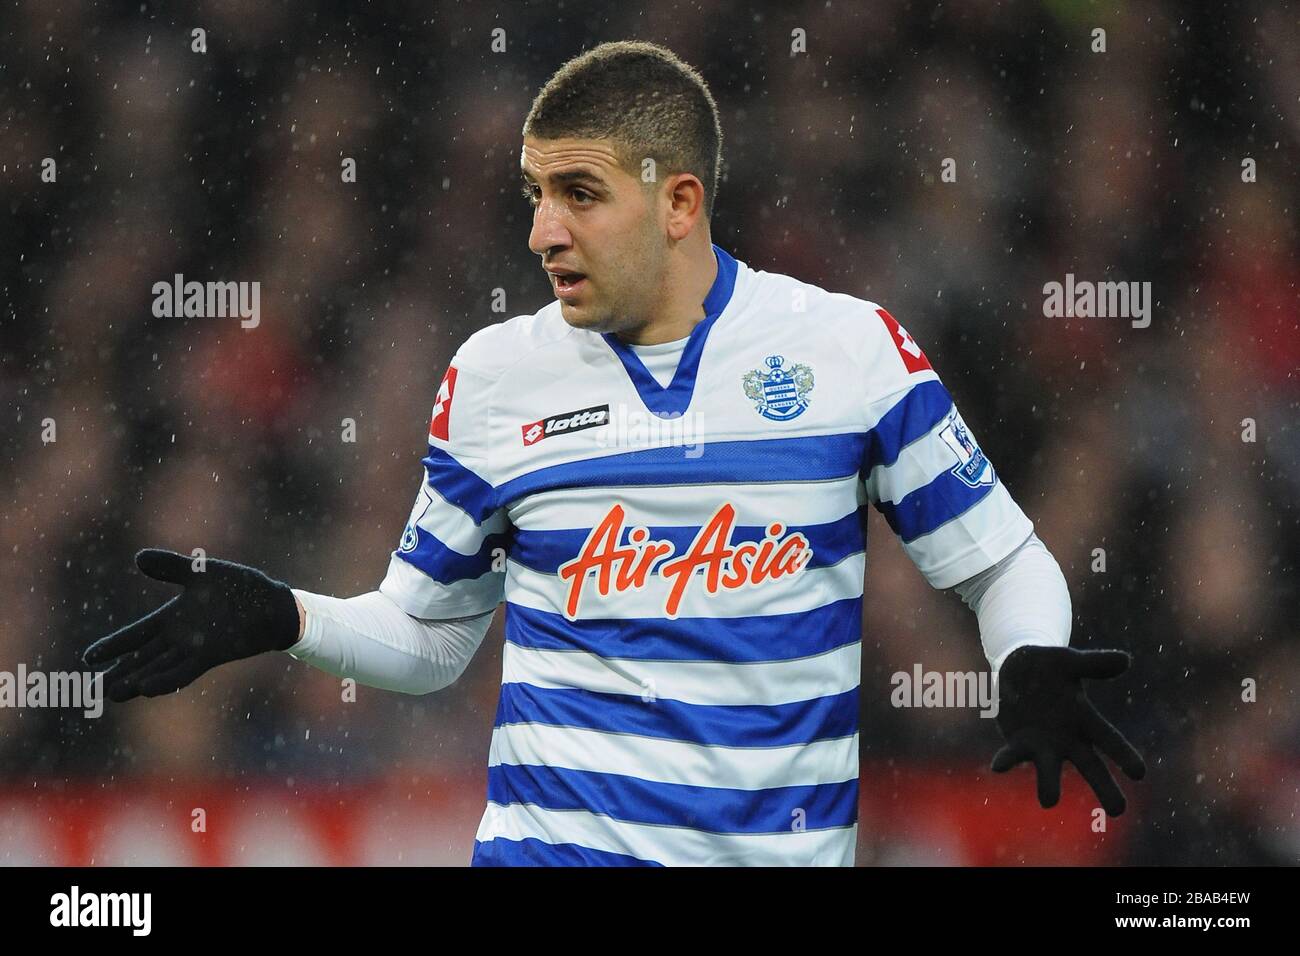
(676, 397)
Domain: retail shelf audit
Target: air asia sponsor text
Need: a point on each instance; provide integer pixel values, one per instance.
(726, 567)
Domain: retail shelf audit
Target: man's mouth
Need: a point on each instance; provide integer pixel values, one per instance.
(566, 281)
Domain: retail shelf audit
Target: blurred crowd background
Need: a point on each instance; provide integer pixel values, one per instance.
(184, 432)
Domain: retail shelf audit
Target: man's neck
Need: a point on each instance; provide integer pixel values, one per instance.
(686, 309)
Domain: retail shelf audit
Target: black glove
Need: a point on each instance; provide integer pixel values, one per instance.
(1046, 717)
(227, 612)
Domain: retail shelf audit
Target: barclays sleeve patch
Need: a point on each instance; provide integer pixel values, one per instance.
(973, 468)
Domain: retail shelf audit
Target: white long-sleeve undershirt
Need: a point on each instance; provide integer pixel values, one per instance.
(1022, 599)
(372, 640)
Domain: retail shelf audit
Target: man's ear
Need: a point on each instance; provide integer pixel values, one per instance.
(685, 194)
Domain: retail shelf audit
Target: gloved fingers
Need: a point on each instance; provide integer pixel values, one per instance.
(126, 686)
(1048, 764)
(162, 565)
(1011, 755)
(130, 638)
(1114, 745)
(1099, 665)
(1099, 778)
(131, 662)
(168, 681)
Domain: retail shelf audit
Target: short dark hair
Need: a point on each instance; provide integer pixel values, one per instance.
(643, 98)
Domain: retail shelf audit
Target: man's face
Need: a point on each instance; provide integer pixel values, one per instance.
(593, 219)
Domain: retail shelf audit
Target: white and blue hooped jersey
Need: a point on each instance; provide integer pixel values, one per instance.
(683, 566)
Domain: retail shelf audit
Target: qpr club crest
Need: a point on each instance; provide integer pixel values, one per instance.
(973, 469)
(781, 393)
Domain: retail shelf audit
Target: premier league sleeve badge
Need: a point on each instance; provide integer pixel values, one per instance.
(973, 469)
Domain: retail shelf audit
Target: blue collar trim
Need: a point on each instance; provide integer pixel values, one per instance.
(676, 398)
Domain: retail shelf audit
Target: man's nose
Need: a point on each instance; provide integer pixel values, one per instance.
(548, 230)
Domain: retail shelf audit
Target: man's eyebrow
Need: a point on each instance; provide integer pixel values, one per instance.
(571, 176)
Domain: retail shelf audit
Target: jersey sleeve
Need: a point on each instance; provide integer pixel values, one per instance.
(450, 561)
(924, 470)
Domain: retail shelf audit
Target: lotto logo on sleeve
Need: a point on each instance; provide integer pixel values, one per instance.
(911, 353)
(438, 426)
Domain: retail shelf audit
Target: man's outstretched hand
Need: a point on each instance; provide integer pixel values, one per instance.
(1046, 717)
(227, 612)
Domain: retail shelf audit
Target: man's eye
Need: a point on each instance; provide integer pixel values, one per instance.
(530, 192)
